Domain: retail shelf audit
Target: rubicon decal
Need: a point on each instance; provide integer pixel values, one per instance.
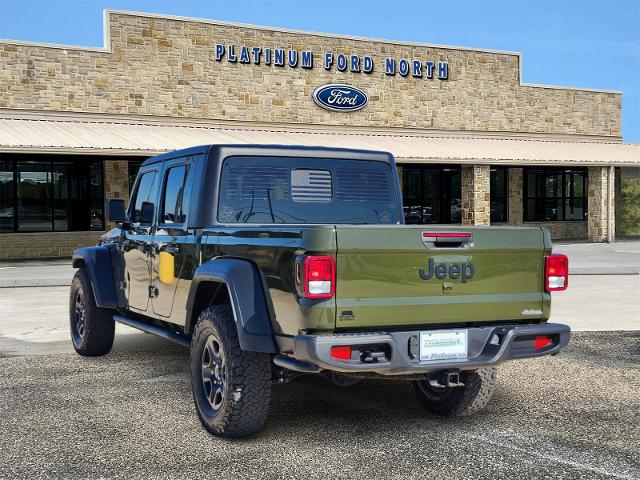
(462, 271)
(340, 98)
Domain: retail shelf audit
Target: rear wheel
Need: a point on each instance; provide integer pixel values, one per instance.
(92, 327)
(231, 387)
(458, 401)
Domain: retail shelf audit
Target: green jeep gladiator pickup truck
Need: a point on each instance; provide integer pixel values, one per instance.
(271, 262)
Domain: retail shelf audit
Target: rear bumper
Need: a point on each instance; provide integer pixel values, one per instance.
(514, 342)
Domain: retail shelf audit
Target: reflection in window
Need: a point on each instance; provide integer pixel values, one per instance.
(306, 190)
(44, 193)
(145, 195)
(498, 194)
(96, 195)
(431, 194)
(44, 196)
(174, 195)
(34, 197)
(7, 191)
(555, 194)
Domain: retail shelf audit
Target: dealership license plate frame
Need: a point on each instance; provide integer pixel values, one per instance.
(444, 345)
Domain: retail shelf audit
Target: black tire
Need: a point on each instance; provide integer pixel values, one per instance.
(92, 327)
(231, 387)
(458, 401)
(342, 381)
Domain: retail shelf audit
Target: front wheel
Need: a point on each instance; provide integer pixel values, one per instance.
(458, 401)
(231, 387)
(92, 327)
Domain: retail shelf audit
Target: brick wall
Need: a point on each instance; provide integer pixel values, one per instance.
(598, 221)
(475, 195)
(167, 67)
(17, 246)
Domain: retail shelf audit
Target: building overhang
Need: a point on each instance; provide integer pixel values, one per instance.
(92, 134)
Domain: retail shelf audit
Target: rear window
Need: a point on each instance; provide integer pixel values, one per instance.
(306, 190)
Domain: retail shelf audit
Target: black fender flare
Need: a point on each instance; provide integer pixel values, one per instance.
(98, 265)
(250, 304)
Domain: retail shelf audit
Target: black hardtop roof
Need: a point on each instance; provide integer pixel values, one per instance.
(274, 150)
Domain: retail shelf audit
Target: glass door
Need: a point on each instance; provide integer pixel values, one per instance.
(34, 197)
(431, 194)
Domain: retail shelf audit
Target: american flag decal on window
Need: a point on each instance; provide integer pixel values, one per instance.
(310, 185)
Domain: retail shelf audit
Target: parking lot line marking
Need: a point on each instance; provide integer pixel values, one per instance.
(554, 458)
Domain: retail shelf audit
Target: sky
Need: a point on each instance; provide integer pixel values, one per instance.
(577, 43)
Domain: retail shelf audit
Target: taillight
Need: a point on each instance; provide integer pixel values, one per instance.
(319, 276)
(556, 272)
(542, 341)
(341, 352)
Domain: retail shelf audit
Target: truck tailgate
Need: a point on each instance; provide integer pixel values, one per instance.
(387, 276)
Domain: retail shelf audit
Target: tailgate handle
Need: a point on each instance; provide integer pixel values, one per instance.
(447, 239)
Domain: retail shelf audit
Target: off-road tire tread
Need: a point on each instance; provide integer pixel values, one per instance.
(99, 324)
(467, 400)
(251, 371)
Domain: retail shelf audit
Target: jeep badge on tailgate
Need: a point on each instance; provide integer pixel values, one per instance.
(464, 271)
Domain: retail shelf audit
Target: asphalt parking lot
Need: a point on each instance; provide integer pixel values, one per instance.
(130, 415)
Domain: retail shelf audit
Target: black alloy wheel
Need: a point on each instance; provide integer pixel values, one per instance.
(78, 322)
(214, 372)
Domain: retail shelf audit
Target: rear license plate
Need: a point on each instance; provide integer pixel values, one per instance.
(443, 345)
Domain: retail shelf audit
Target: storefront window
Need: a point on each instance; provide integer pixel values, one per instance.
(498, 194)
(51, 195)
(7, 192)
(431, 194)
(555, 194)
(35, 210)
(97, 196)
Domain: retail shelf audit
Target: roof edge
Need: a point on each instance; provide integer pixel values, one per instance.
(168, 121)
(106, 48)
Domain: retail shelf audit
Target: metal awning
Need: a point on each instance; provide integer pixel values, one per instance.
(93, 135)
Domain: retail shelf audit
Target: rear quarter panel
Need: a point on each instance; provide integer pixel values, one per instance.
(274, 249)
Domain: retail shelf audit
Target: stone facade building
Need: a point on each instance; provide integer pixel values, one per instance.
(474, 144)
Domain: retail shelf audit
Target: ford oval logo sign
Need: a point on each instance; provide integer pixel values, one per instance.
(340, 98)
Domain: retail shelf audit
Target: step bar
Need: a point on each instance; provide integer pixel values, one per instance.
(154, 329)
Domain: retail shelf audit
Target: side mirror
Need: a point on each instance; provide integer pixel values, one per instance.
(146, 212)
(115, 210)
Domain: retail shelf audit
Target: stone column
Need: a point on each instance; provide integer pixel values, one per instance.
(618, 200)
(475, 195)
(600, 204)
(116, 183)
(515, 188)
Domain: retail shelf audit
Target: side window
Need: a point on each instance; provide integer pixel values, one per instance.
(174, 197)
(145, 194)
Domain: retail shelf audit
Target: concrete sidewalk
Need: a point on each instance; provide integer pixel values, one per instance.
(621, 258)
(36, 273)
